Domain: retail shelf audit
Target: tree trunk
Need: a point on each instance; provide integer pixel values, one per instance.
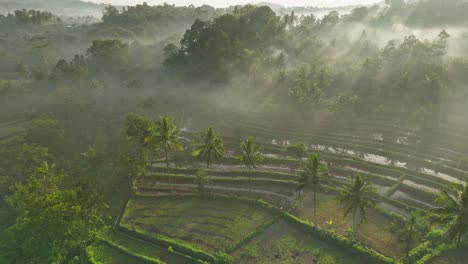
(250, 181)
(208, 165)
(354, 224)
(167, 168)
(408, 242)
(458, 246)
(315, 216)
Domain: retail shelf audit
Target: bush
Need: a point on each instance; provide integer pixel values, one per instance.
(223, 258)
(368, 255)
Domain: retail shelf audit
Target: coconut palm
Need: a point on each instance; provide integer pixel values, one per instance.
(313, 178)
(250, 155)
(358, 197)
(409, 230)
(453, 211)
(201, 178)
(210, 147)
(167, 136)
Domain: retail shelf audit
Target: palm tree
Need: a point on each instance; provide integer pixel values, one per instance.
(453, 211)
(358, 197)
(313, 177)
(250, 155)
(167, 136)
(210, 147)
(201, 178)
(408, 230)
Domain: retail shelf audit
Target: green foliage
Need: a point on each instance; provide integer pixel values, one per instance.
(32, 16)
(201, 179)
(29, 158)
(207, 45)
(52, 225)
(111, 54)
(77, 69)
(46, 132)
(223, 258)
(250, 154)
(314, 176)
(298, 150)
(348, 245)
(209, 147)
(409, 230)
(139, 130)
(357, 197)
(452, 211)
(170, 249)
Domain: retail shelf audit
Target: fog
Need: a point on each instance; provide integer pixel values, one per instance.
(223, 3)
(95, 96)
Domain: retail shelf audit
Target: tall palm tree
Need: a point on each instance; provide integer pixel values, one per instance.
(409, 230)
(250, 155)
(358, 197)
(453, 211)
(210, 147)
(167, 136)
(313, 177)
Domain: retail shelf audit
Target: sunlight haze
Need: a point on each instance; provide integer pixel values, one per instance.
(221, 3)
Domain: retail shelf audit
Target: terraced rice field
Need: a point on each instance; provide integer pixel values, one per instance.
(11, 127)
(106, 254)
(284, 244)
(210, 225)
(406, 172)
(374, 233)
(143, 248)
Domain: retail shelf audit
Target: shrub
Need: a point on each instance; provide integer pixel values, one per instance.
(223, 258)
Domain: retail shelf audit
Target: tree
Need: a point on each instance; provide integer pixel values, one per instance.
(251, 156)
(201, 178)
(358, 197)
(210, 146)
(167, 136)
(313, 178)
(298, 150)
(29, 158)
(110, 54)
(139, 131)
(453, 211)
(93, 159)
(52, 225)
(408, 230)
(46, 132)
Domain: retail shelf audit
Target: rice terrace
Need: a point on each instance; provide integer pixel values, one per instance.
(268, 133)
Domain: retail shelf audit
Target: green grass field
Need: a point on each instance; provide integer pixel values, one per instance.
(283, 244)
(374, 233)
(209, 224)
(143, 248)
(106, 254)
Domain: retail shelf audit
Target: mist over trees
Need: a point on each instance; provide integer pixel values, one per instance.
(71, 149)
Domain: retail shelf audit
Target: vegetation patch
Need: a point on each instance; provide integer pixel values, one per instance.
(283, 243)
(374, 233)
(143, 248)
(209, 224)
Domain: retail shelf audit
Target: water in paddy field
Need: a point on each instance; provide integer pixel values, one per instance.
(377, 159)
(440, 175)
(400, 195)
(419, 186)
(382, 190)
